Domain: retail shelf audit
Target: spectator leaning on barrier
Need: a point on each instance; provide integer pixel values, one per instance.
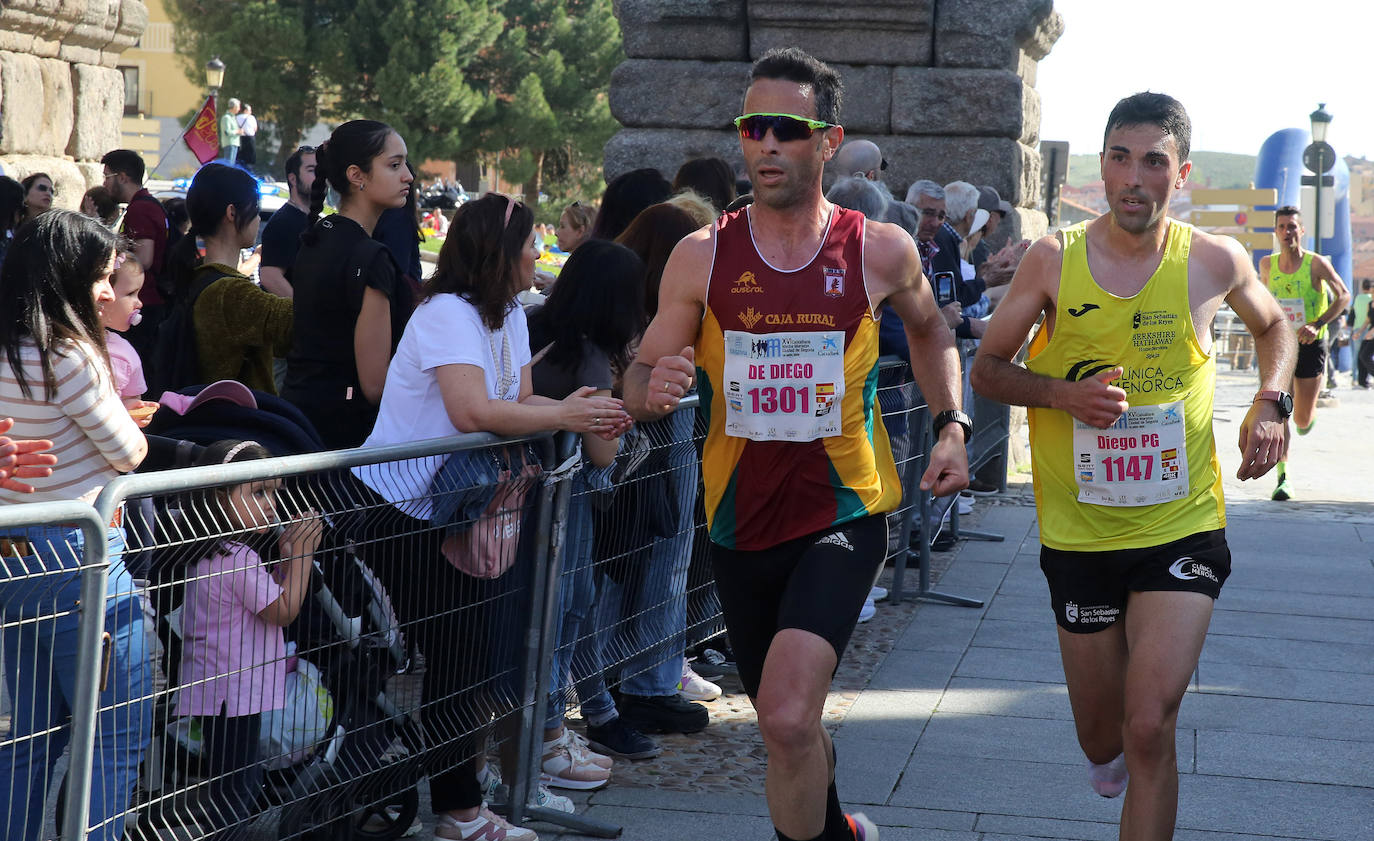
(237, 327)
(233, 651)
(281, 236)
(463, 365)
(581, 337)
(55, 376)
(351, 302)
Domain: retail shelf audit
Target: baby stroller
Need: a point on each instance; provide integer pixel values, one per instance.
(358, 779)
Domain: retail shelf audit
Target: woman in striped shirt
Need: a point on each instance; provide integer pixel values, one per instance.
(55, 381)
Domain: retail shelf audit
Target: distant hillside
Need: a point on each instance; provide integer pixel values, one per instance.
(1218, 170)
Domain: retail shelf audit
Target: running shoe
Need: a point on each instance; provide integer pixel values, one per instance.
(663, 714)
(694, 687)
(877, 593)
(863, 828)
(617, 738)
(1283, 492)
(487, 826)
(868, 611)
(1109, 780)
(568, 765)
(965, 503)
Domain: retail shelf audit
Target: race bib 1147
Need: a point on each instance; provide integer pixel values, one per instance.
(1142, 459)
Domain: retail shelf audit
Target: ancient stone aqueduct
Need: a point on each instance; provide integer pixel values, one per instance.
(945, 87)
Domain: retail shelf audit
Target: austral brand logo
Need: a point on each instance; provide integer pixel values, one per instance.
(834, 282)
(1083, 310)
(749, 317)
(746, 283)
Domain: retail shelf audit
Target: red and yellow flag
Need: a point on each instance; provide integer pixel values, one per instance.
(203, 136)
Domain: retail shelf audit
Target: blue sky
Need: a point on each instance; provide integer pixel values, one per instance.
(1243, 68)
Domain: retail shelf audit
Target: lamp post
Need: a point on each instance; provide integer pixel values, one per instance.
(214, 76)
(1323, 157)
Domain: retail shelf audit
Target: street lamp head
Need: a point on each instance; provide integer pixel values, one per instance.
(1321, 121)
(214, 73)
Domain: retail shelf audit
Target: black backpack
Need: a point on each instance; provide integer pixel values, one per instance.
(176, 362)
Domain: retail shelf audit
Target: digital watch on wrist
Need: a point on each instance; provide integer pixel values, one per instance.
(949, 416)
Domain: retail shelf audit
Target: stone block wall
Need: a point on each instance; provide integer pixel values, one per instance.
(61, 98)
(946, 90)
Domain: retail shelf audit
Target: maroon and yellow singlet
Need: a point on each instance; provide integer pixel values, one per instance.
(787, 366)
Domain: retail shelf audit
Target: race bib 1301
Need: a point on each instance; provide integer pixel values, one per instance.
(784, 386)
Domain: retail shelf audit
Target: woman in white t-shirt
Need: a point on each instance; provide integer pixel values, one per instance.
(462, 365)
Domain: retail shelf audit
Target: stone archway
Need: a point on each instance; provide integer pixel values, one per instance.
(945, 87)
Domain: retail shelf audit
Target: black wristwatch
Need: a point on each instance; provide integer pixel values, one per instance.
(949, 416)
(1282, 398)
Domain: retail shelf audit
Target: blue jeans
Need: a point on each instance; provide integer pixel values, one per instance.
(575, 654)
(229, 154)
(40, 681)
(656, 630)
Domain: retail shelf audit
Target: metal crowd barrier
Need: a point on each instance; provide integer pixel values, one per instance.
(373, 698)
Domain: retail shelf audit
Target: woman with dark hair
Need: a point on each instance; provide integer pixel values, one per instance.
(712, 178)
(238, 326)
(351, 301)
(625, 197)
(463, 365)
(55, 378)
(658, 694)
(581, 337)
(11, 211)
(653, 235)
(39, 191)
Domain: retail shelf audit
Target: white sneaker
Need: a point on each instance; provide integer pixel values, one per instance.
(694, 687)
(877, 593)
(567, 765)
(497, 794)
(546, 799)
(965, 505)
(487, 826)
(868, 611)
(600, 759)
(1109, 780)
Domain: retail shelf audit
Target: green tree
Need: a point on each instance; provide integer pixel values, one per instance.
(545, 114)
(297, 61)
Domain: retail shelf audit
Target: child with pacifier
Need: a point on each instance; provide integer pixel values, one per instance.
(118, 316)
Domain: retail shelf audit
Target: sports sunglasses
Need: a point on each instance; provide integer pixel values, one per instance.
(786, 127)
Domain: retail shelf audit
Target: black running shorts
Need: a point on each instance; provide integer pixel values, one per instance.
(1089, 589)
(816, 583)
(1311, 360)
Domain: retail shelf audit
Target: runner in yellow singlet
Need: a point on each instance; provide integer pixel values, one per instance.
(1119, 382)
(1312, 295)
